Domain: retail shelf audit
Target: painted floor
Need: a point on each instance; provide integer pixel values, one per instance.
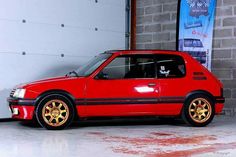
(144, 138)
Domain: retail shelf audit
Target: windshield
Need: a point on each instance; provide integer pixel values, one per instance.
(92, 65)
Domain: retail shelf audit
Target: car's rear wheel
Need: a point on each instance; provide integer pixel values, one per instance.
(199, 110)
(55, 112)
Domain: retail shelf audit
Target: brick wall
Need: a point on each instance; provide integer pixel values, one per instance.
(156, 24)
(156, 29)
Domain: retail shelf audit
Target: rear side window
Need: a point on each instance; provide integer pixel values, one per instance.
(170, 66)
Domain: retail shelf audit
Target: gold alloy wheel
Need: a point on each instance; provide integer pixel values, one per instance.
(200, 110)
(55, 112)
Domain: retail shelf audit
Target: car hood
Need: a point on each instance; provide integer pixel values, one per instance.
(47, 80)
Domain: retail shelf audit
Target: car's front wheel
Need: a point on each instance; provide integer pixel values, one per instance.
(198, 110)
(55, 112)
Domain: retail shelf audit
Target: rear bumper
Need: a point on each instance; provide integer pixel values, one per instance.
(219, 104)
(218, 108)
(220, 100)
(22, 108)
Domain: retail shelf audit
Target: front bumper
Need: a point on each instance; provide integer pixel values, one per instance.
(22, 108)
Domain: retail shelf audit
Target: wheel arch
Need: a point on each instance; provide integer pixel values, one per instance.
(208, 94)
(64, 93)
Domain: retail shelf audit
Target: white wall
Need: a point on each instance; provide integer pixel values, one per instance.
(34, 27)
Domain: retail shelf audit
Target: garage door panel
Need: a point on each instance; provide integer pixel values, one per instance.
(34, 27)
(80, 13)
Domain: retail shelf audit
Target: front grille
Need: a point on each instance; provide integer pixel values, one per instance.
(12, 92)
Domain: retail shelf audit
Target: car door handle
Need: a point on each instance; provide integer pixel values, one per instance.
(151, 84)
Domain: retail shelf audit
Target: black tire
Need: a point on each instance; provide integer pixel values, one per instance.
(191, 115)
(51, 106)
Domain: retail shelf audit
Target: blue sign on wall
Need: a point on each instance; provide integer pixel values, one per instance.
(196, 22)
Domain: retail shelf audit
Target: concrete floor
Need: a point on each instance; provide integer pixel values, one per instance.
(148, 138)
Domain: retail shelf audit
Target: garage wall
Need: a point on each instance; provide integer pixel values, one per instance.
(156, 29)
(41, 38)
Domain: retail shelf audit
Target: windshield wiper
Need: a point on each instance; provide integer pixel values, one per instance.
(72, 72)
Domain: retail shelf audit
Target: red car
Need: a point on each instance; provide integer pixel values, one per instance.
(123, 83)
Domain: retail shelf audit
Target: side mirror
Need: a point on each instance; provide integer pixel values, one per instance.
(101, 76)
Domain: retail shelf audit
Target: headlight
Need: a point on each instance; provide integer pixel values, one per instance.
(19, 93)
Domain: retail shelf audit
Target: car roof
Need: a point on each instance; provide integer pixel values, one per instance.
(123, 52)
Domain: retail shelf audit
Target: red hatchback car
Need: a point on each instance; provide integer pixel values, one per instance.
(123, 83)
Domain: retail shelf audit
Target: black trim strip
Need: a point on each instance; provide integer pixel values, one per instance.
(198, 73)
(219, 99)
(115, 101)
(21, 102)
(200, 78)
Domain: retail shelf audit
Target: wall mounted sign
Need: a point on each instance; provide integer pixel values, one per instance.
(196, 22)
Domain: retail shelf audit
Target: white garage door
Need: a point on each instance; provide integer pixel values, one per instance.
(45, 38)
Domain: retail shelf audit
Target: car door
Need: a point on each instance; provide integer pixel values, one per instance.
(171, 75)
(125, 87)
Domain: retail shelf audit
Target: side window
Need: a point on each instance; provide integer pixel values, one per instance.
(132, 66)
(170, 66)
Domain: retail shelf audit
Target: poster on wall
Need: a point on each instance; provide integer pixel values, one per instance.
(196, 22)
